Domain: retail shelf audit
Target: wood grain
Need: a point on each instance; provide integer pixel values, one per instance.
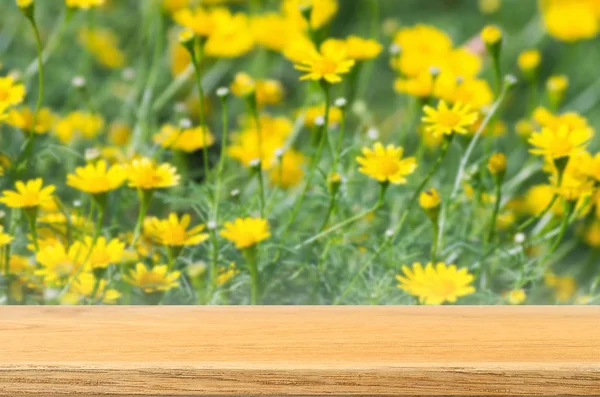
(303, 351)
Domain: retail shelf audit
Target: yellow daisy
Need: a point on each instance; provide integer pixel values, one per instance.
(156, 279)
(174, 231)
(246, 232)
(555, 143)
(435, 285)
(30, 194)
(144, 174)
(386, 164)
(447, 120)
(326, 65)
(97, 178)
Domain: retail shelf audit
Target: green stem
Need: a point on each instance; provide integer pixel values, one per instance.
(144, 196)
(539, 215)
(250, 255)
(380, 201)
(261, 189)
(38, 105)
(31, 218)
(435, 241)
(214, 264)
(330, 209)
(311, 172)
(492, 231)
(196, 60)
(568, 209)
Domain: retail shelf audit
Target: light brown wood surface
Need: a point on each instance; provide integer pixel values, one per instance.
(194, 351)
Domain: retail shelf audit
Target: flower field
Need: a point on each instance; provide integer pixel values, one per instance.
(299, 152)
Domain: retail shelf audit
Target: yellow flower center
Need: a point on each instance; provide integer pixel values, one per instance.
(4, 95)
(445, 288)
(388, 166)
(448, 118)
(326, 66)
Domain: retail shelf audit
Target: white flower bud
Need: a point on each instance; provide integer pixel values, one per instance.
(185, 123)
(78, 81)
(222, 92)
(373, 133)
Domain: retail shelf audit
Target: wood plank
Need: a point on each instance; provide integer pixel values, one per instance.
(195, 351)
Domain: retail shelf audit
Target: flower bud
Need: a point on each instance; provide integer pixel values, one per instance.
(556, 86)
(529, 61)
(26, 7)
(334, 180)
(497, 164)
(186, 38)
(492, 38)
(429, 200)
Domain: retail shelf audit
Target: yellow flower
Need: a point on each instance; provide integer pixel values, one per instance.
(275, 31)
(529, 60)
(78, 123)
(326, 65)
(103, 45)
(313, 112)
(573, 186)
(497, 163)
(589, 165)
(174, 231)
(538, 197)
(592, 234)
(19, 266)
(246, 232)
(4, 238)
(557, 83)
(226, 273)
(230, 36)
(156, 279)
(11, 94)
(58, 263)
(84, 285)
(198, 20)
(187, 140)
(361, 49)
(429, 199)
(321, 12)
(386, 164)
(102, 253)
(119, 133)
(476, 92)
(84, 4)
(564, 286)
(289, 171)
(24, 3)
(420, 86)
(524, 128)
(560, 142)
(243, 85)
(29, 194)
(435, 285)
(268, 92)
(23, 119)
(97, 178)
(570, 20)
(447, 121)
(422, 47)
(144, 174)
(516, 296)
(491, 34)
(247, 147)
